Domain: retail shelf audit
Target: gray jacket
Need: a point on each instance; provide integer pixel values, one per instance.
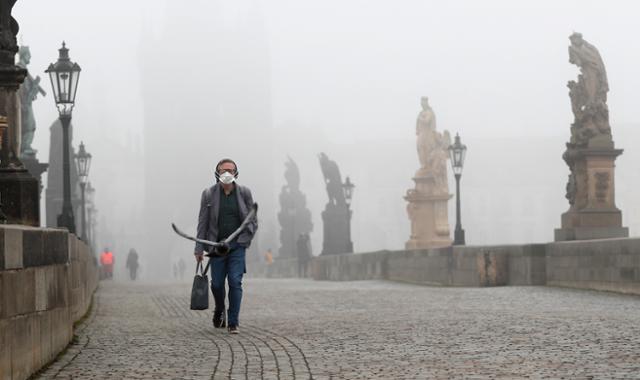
(208, 218)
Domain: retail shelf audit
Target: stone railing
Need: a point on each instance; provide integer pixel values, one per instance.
(47, 279)
(450, 266)
(607, 264)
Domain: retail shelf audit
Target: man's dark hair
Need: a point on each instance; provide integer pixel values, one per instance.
(224, 161)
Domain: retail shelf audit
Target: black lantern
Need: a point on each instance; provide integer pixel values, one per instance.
(90, 213)
(83, 161)
(457, 151)
(64, 76)
(348, 190)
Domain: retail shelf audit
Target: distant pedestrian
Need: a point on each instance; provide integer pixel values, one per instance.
(132, 264)
(106, 262)
(303, 247)
(222, 209)
(268, 257)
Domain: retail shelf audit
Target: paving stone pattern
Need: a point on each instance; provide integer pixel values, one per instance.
(301, 329)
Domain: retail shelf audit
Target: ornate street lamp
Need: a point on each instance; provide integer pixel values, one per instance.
(457, 151)
(83, 161)
(90, 208)
(64, 76)
(347, 187)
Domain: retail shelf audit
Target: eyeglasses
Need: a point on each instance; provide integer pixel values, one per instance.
(232, 171)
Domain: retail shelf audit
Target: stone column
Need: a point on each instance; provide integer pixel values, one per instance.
(18, 188)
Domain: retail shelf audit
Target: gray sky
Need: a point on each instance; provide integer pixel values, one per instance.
(346, 78)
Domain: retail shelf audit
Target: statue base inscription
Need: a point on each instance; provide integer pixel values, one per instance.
(593, 214)
(428, 214)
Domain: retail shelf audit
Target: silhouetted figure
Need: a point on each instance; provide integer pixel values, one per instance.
(106, 262)
(303, 246)
(132, 264)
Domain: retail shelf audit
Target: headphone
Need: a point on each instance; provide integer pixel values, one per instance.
(225, 160)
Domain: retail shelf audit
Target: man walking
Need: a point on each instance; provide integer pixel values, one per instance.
(222, 209)
(132, 264)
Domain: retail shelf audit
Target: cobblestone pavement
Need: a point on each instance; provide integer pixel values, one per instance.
(358, 330)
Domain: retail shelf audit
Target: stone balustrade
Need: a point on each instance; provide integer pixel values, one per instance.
(47, 279)
(605, 264)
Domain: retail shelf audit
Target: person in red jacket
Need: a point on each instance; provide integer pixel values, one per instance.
(107, 260)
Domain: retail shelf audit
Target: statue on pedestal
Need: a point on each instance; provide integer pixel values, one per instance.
(28, 93)
(590, 152)
(294, 216)
(336, 216)
(427, 207)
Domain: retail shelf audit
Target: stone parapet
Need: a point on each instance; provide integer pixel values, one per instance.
(448, 266)
(47, 279)
(606, 264)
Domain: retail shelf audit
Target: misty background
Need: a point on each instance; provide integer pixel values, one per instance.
(169, 88)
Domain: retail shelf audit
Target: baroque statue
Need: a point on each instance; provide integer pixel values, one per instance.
(427, 207)
(590, 152)
(28, 93)
(433, 148)
(589, 94)
(294, 216)
(336, 216)
(333, 180)
(589, 106)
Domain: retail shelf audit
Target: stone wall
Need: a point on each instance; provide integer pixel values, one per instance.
(607, 264)
(280, 268)
(47, 279)
(449, 266)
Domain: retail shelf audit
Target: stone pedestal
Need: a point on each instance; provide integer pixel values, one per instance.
(20, 202)
(35, 167)
(428, 213)
(594, 214)
(337, 230)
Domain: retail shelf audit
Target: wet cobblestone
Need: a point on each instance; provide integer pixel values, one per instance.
(358, 330)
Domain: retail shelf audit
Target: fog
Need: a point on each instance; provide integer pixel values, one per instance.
(169, 88)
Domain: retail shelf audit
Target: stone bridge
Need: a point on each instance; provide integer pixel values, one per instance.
(308, 329)
(304, 329)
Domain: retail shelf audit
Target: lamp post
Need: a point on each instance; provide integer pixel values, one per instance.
(347, 188)
(83, 161)
(457, 151)
(64, 76)
(90, 207)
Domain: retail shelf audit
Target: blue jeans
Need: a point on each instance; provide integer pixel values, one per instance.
(232, 267)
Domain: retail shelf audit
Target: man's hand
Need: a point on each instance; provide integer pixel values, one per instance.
(198, 256)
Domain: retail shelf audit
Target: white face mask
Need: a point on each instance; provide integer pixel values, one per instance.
(227, 178)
